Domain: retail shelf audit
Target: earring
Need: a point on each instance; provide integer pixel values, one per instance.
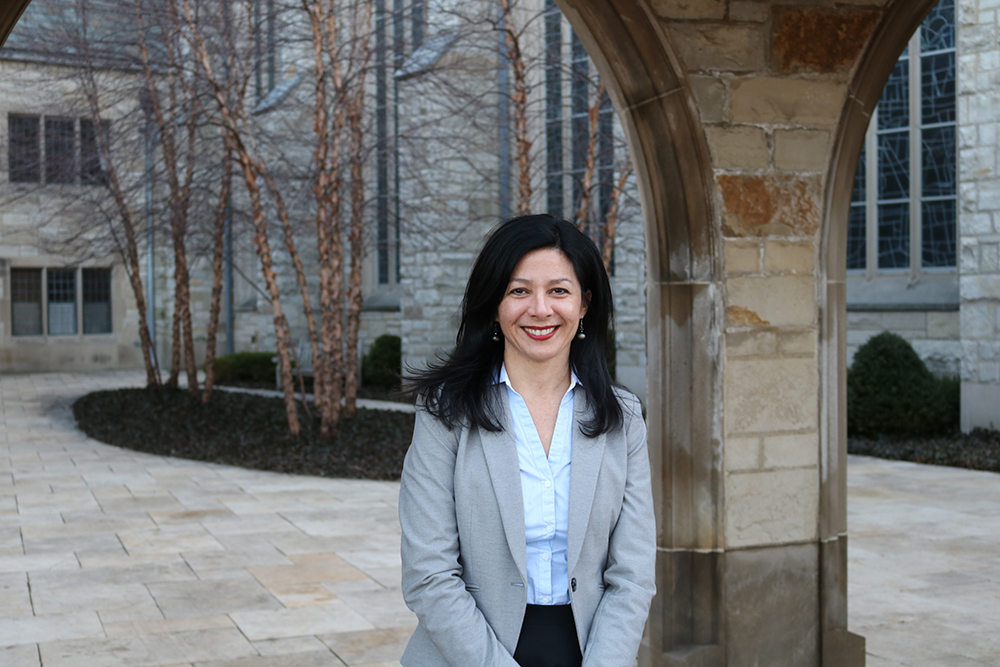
(496, 331)
(580, 333)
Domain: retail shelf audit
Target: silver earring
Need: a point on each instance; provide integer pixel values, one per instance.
(580, 333)
(496, 332)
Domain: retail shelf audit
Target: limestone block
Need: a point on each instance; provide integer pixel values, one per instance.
(779, 300)
(766, 395)
(738, 147)
(781, 205)
(741, 256)
(801, 150)
(969, 261)
(978, 320)
(978, 162)
(864, 319)
(942, 357)
(742, 453)
(967, 138)
(713, 47)
(710, 95)
(989, 258)
(690, 9)
(801, 102)
(973, 288)
(771, 507)
(751, 343)
(900, 321)
(748, 11)
(860, 336)
(968, 198)
(943, 325)
(794, 450)
(989, 372)
(989, 193)
(788, 256)
(797, 342)
(814, 39)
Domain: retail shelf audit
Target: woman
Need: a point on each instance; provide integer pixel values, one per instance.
(525, 502)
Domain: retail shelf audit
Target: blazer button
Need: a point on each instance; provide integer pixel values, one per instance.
(572, 584)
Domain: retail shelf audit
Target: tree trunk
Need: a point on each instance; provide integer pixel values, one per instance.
(218, 248)
(611, 219)
(584, 209)
(520, 100)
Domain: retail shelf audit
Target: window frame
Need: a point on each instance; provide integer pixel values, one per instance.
(44, 302)
(914, 286)
(80, 161)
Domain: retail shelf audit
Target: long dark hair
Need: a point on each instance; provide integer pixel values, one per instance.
(457, 389)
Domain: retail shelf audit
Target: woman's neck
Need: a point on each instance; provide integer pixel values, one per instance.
(538, 379)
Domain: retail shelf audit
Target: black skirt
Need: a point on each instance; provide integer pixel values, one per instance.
(548, 638)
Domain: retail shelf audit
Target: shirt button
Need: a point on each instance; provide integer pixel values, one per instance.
(548, 529)
(545, 556)
(547, 484)
(546, 599)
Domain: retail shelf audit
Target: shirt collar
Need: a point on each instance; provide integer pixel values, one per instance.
(503, 378)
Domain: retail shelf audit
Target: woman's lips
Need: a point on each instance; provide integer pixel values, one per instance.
(540, 333)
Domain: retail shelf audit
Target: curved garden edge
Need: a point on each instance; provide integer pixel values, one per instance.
(247, 430)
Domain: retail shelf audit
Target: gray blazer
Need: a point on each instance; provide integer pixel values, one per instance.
(463, 548)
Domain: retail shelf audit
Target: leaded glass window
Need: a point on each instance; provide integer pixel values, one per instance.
(903, 208)
(61, 295)
(96, 301)
(26, 302)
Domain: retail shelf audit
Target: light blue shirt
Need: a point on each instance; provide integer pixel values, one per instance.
(545, 489)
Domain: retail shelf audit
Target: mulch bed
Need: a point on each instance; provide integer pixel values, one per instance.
(245, 430)
(978, 450)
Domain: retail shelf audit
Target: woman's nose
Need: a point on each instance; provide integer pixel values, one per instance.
(540, 306)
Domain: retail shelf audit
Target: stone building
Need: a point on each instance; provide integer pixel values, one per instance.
(746, 120)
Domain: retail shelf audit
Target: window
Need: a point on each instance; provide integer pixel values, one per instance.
(62, 163)
(24, 155)
(265, 47)
(96, 301)
(26, 302)
(59, 301)
(60, 150)
(903, 210)
(91, 164)
(61, 290)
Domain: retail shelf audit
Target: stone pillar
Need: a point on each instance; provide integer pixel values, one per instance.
(979, 216)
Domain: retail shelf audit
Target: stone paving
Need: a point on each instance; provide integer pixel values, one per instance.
(115, 558)
(112, 558)
(924, 563)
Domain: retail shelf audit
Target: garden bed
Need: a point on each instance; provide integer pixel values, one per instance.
(978, 450)
(245, 430)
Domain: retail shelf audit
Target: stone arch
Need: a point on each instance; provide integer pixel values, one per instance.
(890, 37)
(684, 317)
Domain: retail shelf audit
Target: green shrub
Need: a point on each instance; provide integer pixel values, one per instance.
(891, 392)
(245, 367)
(382, 366)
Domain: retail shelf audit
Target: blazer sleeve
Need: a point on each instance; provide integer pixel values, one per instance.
(431, 576)
(630, 574)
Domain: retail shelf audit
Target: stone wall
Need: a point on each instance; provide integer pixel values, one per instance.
(979, 213)
(933, 334)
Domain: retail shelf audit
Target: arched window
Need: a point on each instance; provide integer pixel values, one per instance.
(903, 211)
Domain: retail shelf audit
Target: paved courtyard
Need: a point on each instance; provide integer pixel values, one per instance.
(110, 558)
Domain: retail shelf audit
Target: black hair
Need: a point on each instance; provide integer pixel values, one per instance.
(457, 389)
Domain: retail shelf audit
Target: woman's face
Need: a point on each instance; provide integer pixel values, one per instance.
(542, 308)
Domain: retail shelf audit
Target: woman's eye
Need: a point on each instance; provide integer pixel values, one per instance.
(517, 291)
(560, 290)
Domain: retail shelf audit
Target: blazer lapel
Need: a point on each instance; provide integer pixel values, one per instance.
(500, 451)
(587, 455)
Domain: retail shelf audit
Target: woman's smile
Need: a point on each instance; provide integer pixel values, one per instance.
(540, 334)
